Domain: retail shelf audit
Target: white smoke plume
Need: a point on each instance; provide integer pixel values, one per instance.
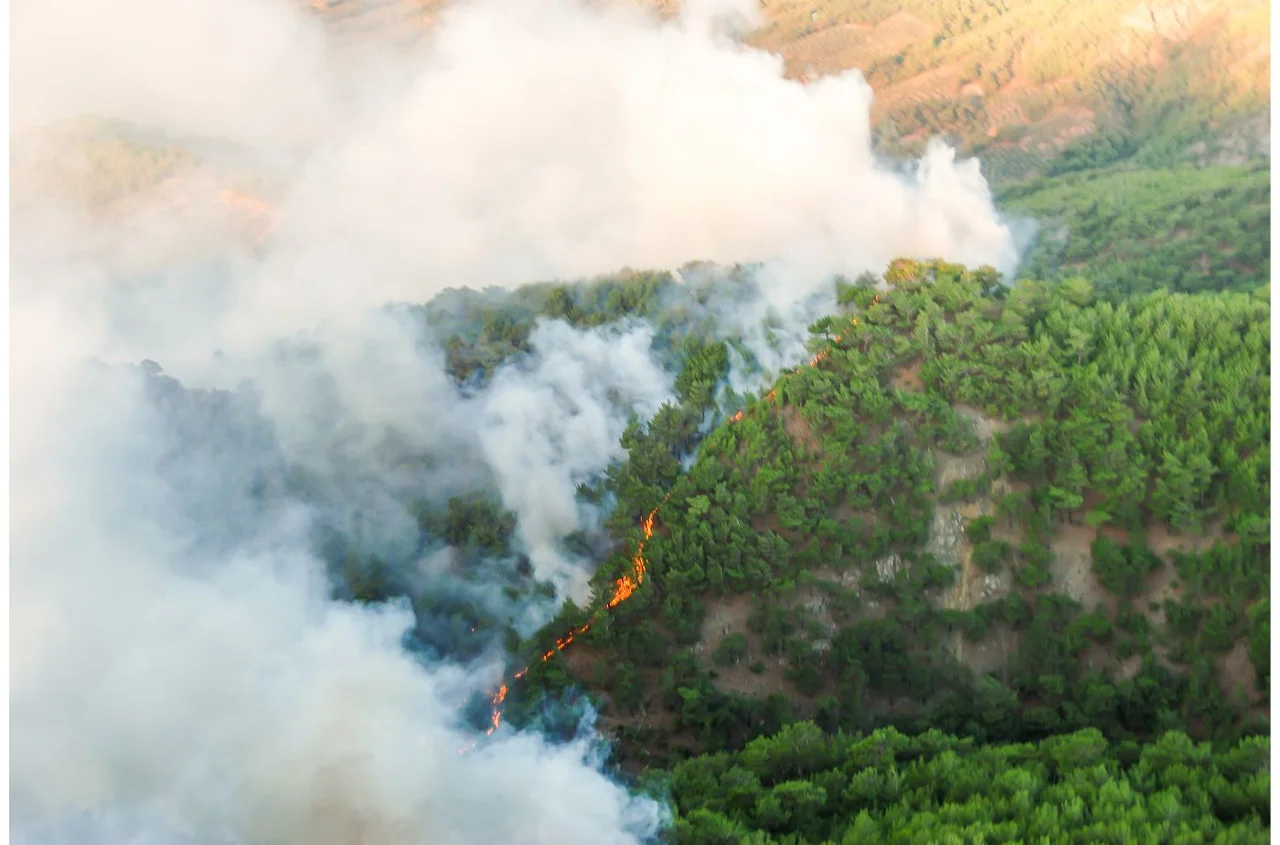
(214, 691)
(547, 428)
(527, 139)
(660, 145)
(228, 695)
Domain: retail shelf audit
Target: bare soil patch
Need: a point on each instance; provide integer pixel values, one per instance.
(907, 377)
(727, 616)
(985, 427)
(1159, 588)
(1072, 567)
(1235, 671)
(951, 468)
(767, 522)
(801, 431)
(992, 655)
(1162, 541)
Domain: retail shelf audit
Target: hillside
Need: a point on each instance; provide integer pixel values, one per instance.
(117, 173)
(515, 429)
(1018, 83)
(988, 74)
(1004, 515)
(1133, 229)
(802, 786)
(1136, 138)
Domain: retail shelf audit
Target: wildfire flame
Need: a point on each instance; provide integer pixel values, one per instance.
(255, 209)
(255, 217)
(624, 587)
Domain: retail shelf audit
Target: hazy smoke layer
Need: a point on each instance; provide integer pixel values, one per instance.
(530, 139)
(540, 140)
(226, 694)
(176, 663)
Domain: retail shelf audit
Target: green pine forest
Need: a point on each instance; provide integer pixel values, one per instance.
(999, 534)
(996, 567)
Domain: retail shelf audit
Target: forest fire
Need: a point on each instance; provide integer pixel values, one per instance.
(254, 209)
(254, 217)
(624, 587)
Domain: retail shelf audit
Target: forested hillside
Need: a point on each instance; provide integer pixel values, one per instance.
(489, 438)
(1019, 82)
(1000, 513)
(1014, 82)
(801, 786)
(1139, 229)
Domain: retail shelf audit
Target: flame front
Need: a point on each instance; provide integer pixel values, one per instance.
(624, 587)
(628, 584)
(254, 209)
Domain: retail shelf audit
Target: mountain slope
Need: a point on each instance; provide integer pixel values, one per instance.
(802, 787)
(1019, 82)
(1003, 516)
(1016, 83)
(1136, 229)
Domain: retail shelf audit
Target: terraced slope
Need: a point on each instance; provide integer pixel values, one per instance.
(1018, 82)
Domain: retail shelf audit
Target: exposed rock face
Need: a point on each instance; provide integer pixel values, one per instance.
(946, 535)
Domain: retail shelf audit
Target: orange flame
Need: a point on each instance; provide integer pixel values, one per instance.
(624, 587)
(628, 585)
(246, 202)
(256, 211)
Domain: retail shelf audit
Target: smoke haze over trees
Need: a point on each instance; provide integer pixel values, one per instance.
(331, 389)
(177, 656)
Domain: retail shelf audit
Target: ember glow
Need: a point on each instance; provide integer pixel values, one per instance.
(625, 586)
(255, 210)
(253, 216)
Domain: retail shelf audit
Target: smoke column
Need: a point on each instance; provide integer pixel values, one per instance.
(205, 691)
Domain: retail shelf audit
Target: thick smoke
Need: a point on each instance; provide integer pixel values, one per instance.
(539, 140)
(527, 139)
(547, 428)
(177, 664)
(222, 693)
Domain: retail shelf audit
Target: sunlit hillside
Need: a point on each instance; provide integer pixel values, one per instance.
(1015, 82)
(113, 171)
(1018, 82)
(1033, 89)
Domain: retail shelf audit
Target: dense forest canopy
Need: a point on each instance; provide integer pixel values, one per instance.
(1004, 513)
(988, 534)
(802, 786)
